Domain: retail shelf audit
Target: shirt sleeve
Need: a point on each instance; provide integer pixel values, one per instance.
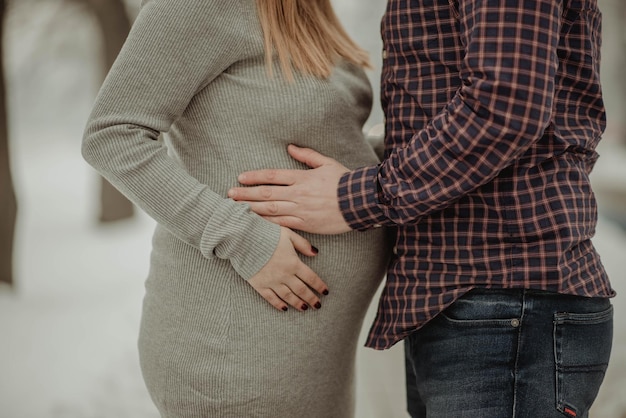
(174, 49)
(503, 106)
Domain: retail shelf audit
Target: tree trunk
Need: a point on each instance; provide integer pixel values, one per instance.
(114, 25)
(8, 202)
(622, 14)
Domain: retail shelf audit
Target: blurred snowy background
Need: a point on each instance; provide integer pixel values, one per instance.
(69, 324)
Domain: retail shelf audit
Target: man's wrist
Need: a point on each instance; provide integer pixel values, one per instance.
(357, 193)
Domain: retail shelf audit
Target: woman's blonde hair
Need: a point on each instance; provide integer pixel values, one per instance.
(307, 36)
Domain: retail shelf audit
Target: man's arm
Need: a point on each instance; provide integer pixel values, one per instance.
(502, 108)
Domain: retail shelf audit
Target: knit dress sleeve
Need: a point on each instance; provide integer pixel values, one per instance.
(174, 49)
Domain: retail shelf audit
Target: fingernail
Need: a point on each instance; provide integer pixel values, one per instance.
(231, 193)
(314, 249)
(325, 292)
(305, 307)
(284, 308)
(318, 305)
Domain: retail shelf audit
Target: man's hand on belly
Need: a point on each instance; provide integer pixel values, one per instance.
(304, 200)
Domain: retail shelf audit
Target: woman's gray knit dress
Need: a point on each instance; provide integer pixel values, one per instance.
(210, 345)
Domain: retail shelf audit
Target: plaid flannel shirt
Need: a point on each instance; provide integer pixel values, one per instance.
(493, 109)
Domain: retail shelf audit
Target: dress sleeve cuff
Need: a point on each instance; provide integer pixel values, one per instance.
(359, 201)
(237, 234)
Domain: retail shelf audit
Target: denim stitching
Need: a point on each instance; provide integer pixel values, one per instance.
(517, 354)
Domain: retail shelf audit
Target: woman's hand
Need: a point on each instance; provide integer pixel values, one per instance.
(285, 279)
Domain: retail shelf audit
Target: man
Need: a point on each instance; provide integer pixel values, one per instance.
(493, 111)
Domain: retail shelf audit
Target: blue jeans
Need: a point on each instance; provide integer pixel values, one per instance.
(510, 353)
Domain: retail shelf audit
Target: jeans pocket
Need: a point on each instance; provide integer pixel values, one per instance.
(582, 347)
(485, 308)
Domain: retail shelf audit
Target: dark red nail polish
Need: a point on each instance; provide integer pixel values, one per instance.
(305, 307)
(318, 305)
(284, 308)
(325, 292)
(315, 250)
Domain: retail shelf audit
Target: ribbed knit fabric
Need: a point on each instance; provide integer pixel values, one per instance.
(210, 346)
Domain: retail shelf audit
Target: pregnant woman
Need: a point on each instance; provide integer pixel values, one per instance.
(231, 84)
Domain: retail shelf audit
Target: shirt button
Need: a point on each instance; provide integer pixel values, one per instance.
(377, 226)
(395, 250)
(515, 322)
(384, 53)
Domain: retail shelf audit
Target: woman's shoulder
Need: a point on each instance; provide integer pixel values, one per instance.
(218, 8)
(235, 19)
(198, 12)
